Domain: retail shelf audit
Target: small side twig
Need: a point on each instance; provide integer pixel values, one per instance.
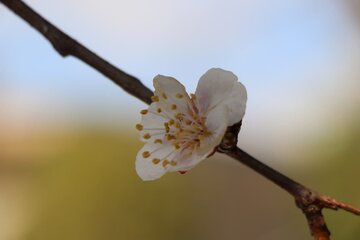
(310, 202)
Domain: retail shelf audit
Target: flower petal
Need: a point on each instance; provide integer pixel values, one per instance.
(218, 87)
(217, 122)
(153, 160)
(152, 123)
(172, 94)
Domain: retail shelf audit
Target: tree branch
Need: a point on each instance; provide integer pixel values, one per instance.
(310, 202)
(67, 46)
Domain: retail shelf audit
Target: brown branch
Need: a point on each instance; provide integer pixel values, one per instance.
(67, 46)
(310, 202)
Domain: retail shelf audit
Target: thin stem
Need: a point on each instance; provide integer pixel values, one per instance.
(67, 46)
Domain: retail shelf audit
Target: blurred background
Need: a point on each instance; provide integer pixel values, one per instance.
(67, 136)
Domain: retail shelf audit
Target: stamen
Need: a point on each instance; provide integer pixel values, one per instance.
(179, 116)
(179, 95)
(139, 127)
(171, 122)
(156, 160)
(165, 163)
(158, 141)
(177, 145)
(167, 128)
(143, 112)
(147, 136)
(155, 98)
(173, 163)
(146, 154)
(173, 107)
(193, 97)
(159, 110)
(164, 96)
(170, 137)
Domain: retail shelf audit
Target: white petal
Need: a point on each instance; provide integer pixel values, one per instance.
(145, 167)
(170, 93)
(153, 123)
(218, 87)
(217, 122)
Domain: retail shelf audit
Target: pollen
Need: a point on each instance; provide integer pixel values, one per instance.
(179, 116)
(155, 98)
(158, 141)
(143, 112)
(147, 136)
(188, 122)
(167, 128)
(177, 125)
(146, 154)
(173, 163)
(171, 122)
(165, 163)
(177, 145)
(159, 110)
(173, 107)
(156, 161)
(179, 95)
(170, 137)
(164, 96)
(139, 127)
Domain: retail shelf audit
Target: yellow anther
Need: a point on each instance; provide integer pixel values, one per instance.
(143, 112)
(171, 122)
(155, 98)
(177, 145)
(188, 122)
(156, 161)
(170, 137)
(179, 116)
(167, 128)
(164, 96)
(146, 154)
(179, 95)
(177, 125)
(158, 141)
(139, 127)
(165, 163)
(173, 163)
(173, 107)
(147, 136)
(193, 97)
(159, 110)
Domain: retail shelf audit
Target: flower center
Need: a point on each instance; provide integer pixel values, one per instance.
(184, 130)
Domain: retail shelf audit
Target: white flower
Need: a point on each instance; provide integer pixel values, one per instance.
(180, 131)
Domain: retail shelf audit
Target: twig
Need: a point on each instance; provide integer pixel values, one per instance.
(67, 46)
(310, 202)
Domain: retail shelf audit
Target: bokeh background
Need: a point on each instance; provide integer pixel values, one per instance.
(67, 137)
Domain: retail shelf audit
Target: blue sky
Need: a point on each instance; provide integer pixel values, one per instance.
(291, 55)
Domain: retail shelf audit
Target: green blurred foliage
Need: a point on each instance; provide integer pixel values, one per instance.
(82, 184)
(89, 190)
